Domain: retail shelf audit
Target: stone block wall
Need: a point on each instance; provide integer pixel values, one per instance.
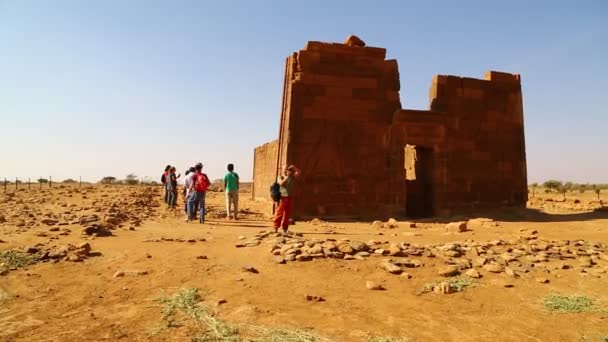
(340, 102)
(264, 170)
(485, 157)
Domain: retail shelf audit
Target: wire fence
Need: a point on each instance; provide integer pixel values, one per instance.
(42, 183)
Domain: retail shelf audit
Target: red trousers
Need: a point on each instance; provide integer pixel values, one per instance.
(281, 217)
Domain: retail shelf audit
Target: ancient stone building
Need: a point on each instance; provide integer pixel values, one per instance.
(362, 155)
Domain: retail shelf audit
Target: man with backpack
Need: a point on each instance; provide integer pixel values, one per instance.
(286, 183)
(198, 189)
(231, 186)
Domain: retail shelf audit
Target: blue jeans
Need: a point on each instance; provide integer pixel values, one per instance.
(172, 200)
(195, 198)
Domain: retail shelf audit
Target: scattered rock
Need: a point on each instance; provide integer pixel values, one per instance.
(373, 286)
(472, 273)
(542, 280)
(405, 275)
(250, 269)
(390, 267)
(510, 272)
(221, 301)
(129, 273)
(279, 260)
(313, 298)
(378, 224)
(456, 227)
(448, 271)
(202, 257)
(359, 246)
(494, 268)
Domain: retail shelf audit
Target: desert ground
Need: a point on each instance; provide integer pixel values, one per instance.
(113, 263)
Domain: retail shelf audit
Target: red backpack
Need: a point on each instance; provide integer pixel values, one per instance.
(201, 182)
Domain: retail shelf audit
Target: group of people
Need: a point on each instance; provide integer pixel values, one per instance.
(196, 184)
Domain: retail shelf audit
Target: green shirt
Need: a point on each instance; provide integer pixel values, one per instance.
(287, 188)
(231, 181)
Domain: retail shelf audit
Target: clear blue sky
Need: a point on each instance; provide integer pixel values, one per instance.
(98, 88)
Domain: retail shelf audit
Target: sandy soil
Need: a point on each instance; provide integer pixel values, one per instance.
(83, 301)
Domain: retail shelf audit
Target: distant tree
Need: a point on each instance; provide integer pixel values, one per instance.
(108, 180)
(534, 186)
(568, 186)
(69, 181)
(552, 184)
(562, 190)
(42, 180)
(597, 192)
(131, 179)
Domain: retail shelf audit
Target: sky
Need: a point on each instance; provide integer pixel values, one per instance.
(110, 88)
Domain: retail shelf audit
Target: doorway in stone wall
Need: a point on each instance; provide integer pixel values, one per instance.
(419, 181)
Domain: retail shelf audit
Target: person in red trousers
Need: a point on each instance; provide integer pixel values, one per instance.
(286, 181)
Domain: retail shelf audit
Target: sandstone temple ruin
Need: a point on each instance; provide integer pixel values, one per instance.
(363, 155)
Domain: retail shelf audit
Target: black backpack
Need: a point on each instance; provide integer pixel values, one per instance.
(275, 192)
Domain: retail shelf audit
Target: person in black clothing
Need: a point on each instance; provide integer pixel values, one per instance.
(163, 179)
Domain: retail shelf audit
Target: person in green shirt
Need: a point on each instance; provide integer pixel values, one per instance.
(231, 186)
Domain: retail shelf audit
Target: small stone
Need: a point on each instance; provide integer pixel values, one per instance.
(84, 246)
(74, 258)
(242, 237)
(313, 298)
(279, 260)
(349, 257)
(251, 269)
(494, 268)
(118, 274)
(359, 246)
(54, 229)
(378, 224)
(510, 272)
(456, 227)
(373, 286)
(508, 285)
(472, 273)
(448, 271)
(390, 267)
(148, 256)
(345, 248)
(303, 257)
(221, 301)
(202, 257)
(405, 275)
(542, 280)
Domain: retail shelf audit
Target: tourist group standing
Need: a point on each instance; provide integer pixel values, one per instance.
(196, 184)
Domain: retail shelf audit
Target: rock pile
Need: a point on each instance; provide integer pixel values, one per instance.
(119, 207)
(470, 258)
(21, 257)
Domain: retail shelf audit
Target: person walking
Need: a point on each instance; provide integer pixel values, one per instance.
(286, 182)
(198, 188)
(231, 186)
